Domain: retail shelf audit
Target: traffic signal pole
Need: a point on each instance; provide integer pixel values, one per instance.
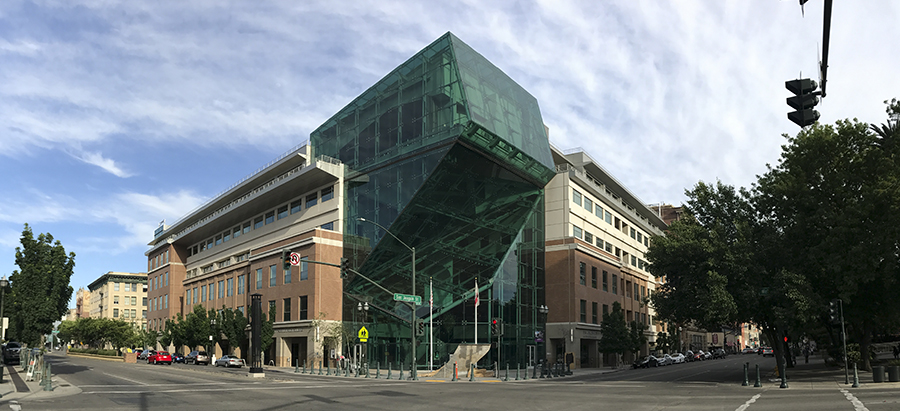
(844, 337)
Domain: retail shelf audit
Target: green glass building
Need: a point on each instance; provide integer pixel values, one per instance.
(451, 156)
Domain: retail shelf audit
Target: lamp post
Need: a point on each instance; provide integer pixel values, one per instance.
(544, 310)
(412, 305)
(3, 284)
(363, 308)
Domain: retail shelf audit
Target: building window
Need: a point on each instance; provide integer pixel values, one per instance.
(582, 274)
(230, 287)
(286, 316)
(144, 301)
(588, 237)
(134, 300)
(259, 278)
(296, 206)
(605, 282)
(615, 284)
(643, 291)
(593, 313)
(588, 205)
(226, 236)
(115, 286)
(125, 313)
(202, 293)
(270, 217)
(583, 311)
(240, 284)
(633, 234)
(272, 273)
(166, 278)
(599, 243)
(605, 310)
(287, 275)
(188, 297)
(598, 211)
(303, 302)
(328, 226)
(219, 239)
(209, 244)
(167, 301)
(257, 223)
(247, 226)
(628, 289)
(646, 241)
(212, 291)
(576, 197)
(633, 260)
(115, 313)
(115, 299)
(236, 232)
(594, 277)
(576, 231)
(608, 217)
(327, 193)
(304, 268)
(311, 200)
(144, 313)
(282, 211)
(133, 313)
(608, 247)
(196, 295)
(222, 288)
(636, 289)
(271, 307)
(640, 237)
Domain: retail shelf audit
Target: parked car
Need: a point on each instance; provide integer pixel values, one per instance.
(705, 355)
(666, 359)
(689, 356)
(178, 357)
(678, 358)
(719, 353)
(768, 351)
(229, 361)
(748, 350)
(646, 362)
(11, 352)
(159, 357)
(197, 357)
(146, 354)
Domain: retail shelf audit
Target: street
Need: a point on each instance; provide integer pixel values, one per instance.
(707, 385)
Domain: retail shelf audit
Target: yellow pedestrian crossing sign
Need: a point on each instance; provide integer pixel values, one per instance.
(363, 334)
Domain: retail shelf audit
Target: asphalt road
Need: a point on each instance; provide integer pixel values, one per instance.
(708, 385)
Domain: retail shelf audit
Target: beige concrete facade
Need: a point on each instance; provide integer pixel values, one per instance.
(120, 296)
(230, 248)
(596, 235)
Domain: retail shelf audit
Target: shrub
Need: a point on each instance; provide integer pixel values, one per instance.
(95, 351)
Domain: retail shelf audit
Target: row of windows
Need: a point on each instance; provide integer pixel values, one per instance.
(159, 280)
(286, 274)
(159, 303)
(606, 216)
(287, 314)
(128, 300)
(221, 289)
(266, 218)
(639, 293)
(632, 260)
(128, 313)
(127, 286)
(157, 261)
(629, 315)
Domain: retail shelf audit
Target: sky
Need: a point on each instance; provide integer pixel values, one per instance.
(116, 115)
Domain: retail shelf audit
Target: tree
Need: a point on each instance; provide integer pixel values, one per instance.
(234, 327)
(615, 337)
(40, 290)
(638, 339)
(197, 328)
(175, 330)
(267, 331)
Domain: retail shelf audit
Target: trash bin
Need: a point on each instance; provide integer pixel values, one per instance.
(894, 373)
(878, 373)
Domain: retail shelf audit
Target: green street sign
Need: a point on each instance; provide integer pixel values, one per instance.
(406, 298)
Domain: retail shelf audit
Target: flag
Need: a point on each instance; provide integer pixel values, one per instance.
(476, 293)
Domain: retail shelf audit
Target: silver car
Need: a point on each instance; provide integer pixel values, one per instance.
(229, 361)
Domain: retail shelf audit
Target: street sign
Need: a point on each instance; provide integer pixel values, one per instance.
(363, 334)
(295, 259)
(406, 298)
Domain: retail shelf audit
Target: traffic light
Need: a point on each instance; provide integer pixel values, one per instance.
(833, 312)
(420, 327)
(286, 259)
(345, 267)
(805, 98)
(497, 327)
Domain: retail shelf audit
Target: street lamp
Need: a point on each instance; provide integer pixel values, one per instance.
(212, 329)
(3, 284)
(412, 304)
(364, 311)
(544, 310)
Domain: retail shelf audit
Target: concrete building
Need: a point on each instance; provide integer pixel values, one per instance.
(120, 296)
(82, 303)
(229, 248)
(596, 236)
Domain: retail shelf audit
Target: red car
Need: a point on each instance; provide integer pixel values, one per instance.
(159, 357)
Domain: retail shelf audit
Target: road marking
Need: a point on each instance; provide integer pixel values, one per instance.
(126, 379)
(747, 404)
(256, 388)
(857, 404)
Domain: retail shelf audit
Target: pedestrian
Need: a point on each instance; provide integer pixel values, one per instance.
(806, 354)
(896, 351)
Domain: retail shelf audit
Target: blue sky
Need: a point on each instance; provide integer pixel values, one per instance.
(115, 115)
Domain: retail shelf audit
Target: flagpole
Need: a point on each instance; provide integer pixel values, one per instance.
(431, 325)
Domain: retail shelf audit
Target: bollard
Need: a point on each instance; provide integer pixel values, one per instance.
(856, 376)
(347, 370)
(517, 371)
(304, 367)
(758, 383)
(784, 383)
(401, 371)
(377, 369)
(367, 369)
(414, 376)
(746, 370)
(356, 372)
(506, 375)
(525, 374)
(328, 369)
(320, 367)
(46, 377)
(389, 370)
(297, 367)
(455, 372)
(472, 372)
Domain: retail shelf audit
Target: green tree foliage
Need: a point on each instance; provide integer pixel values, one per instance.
(637, 337)
(174, 332)
(234, 328)
(615, 336)
(197, 328)
(267, 330)
(40, 291)
(97, 332)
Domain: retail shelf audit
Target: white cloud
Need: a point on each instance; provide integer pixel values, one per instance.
(106, 164)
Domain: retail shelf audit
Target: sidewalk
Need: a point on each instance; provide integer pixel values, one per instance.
(817, 374)
(14, 386)
(481, 375)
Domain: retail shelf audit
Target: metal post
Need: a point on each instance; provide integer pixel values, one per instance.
(455, 372)
(784, 383)
(320, 367)
(415, 374)
(3, 283)
(304, 367)
(517, 371)
(401, 371)
(506, 376)
(255, 336)
(356, 371)
(746, 371)
(297, 366)
(856, 377)
(389, 370)
(472, 372)
(327, 368)
(377, 369)
(758, 383)
(844, 337)
(367, 369)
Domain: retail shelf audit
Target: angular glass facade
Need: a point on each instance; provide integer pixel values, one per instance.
(450, 155)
